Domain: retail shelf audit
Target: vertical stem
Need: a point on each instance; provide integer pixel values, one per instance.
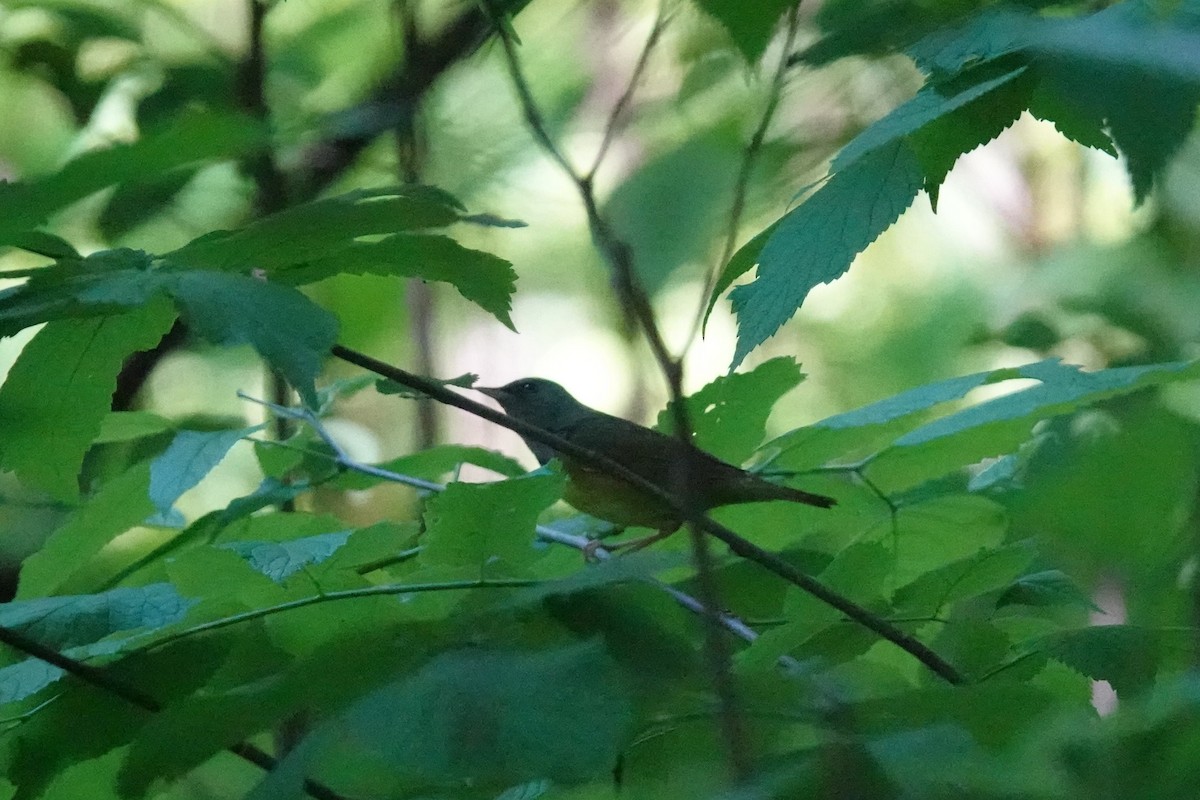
(419, 296)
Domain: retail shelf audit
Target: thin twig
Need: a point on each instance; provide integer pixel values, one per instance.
(737, 206)
(614, 116)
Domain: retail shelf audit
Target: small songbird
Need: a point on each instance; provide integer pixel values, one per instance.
(641, 450)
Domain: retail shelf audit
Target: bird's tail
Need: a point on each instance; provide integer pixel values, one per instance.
(756, 489)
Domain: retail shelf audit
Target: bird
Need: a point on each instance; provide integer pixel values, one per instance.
(645, 452)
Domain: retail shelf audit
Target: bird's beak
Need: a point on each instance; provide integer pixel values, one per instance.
(491, 392)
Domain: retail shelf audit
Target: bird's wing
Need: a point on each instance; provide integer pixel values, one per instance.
(647, 452)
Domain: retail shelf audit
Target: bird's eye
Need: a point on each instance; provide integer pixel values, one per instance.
(526, 387)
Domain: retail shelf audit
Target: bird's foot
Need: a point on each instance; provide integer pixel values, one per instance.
(633, 545)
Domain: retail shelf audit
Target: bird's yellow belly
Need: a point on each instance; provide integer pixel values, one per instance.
(614, 500)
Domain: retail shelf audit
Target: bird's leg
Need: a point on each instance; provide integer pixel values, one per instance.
(589, 549)
(633, 545)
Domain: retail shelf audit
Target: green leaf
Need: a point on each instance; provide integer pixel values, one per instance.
(320, 229)
(739, 264)
(193, 138)
(484, 279)
(124, 426)
(932, 103)
(946, 529)
(1127, 51)
(278, 560)
(287, 329)
(979, 573)
(1124, 655)
(45, 244)
(561, 715)
(121, 503)
(100, 721)
(68, 621)
(816, 242)
(191, 731)
(940, 143)
(1048, 588)
(750, 25)
(862, 431)
(389, 386)
(60, 390)
(190, 456)
(1000, 425)
(729, 415)
(488, 527)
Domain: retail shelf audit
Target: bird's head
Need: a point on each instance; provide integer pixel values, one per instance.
(539, 402)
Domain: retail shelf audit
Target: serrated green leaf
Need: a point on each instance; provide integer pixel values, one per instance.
(1124, 655)
(729, 415)
(124, 426)
(320, 229)
(750, 25)
(984, 571)
(485, 279)
(816, 242)
(60, 389)
(991, 34)
(192, 138)
(278, 560)
(1049, 587)
(1000, 425)
(287, 329)
(120, 504)
(72, 620)
(190, 456)
(943, 530)
(941, 142)
(488, 527)
(929, 105)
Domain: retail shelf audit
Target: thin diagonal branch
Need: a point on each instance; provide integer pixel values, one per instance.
(618, 110)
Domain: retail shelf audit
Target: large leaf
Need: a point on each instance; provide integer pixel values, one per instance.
(71, 620)
(561, 714)
(487, 527)
(287, 329)
(999, 425)
(816, 242)
(484, 279)
(317, 230)
(60, 390)
(729, 415)
(193, 138)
